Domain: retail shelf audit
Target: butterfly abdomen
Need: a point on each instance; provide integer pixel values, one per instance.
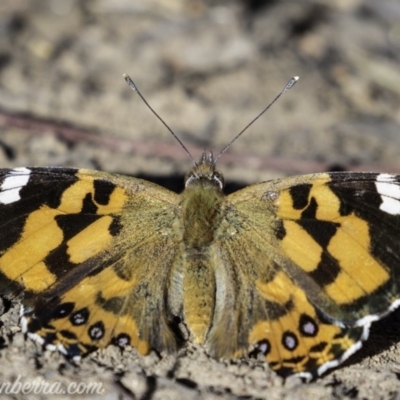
(201, 216)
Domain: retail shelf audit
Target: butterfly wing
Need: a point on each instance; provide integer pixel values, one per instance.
(318, 260)
(84, 247)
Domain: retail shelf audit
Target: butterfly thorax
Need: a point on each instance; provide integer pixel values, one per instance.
(201, 202)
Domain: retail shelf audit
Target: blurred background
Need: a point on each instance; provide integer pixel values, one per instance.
(208, 68)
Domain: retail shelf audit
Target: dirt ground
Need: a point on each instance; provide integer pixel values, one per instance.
(207, 67)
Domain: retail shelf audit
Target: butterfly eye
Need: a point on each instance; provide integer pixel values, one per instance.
(217, 176)
(189, 178)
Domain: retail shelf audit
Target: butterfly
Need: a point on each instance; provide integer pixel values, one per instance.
(292, 270)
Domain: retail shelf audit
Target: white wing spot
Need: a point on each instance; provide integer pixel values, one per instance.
(24, 324)
(14, 181)
(389, 190)
(386, 178)
(390, 206)
(62, 349)
(36, 338)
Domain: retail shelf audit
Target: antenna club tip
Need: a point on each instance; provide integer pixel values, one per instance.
(130, 82)
(296, 78)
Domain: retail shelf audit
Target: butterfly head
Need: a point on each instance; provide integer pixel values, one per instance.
(204, 173)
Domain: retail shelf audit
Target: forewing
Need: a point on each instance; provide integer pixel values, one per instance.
(83, 247)
(323, 253)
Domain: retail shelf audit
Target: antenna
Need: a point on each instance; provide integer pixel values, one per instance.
(288, 86)
(132, 85)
